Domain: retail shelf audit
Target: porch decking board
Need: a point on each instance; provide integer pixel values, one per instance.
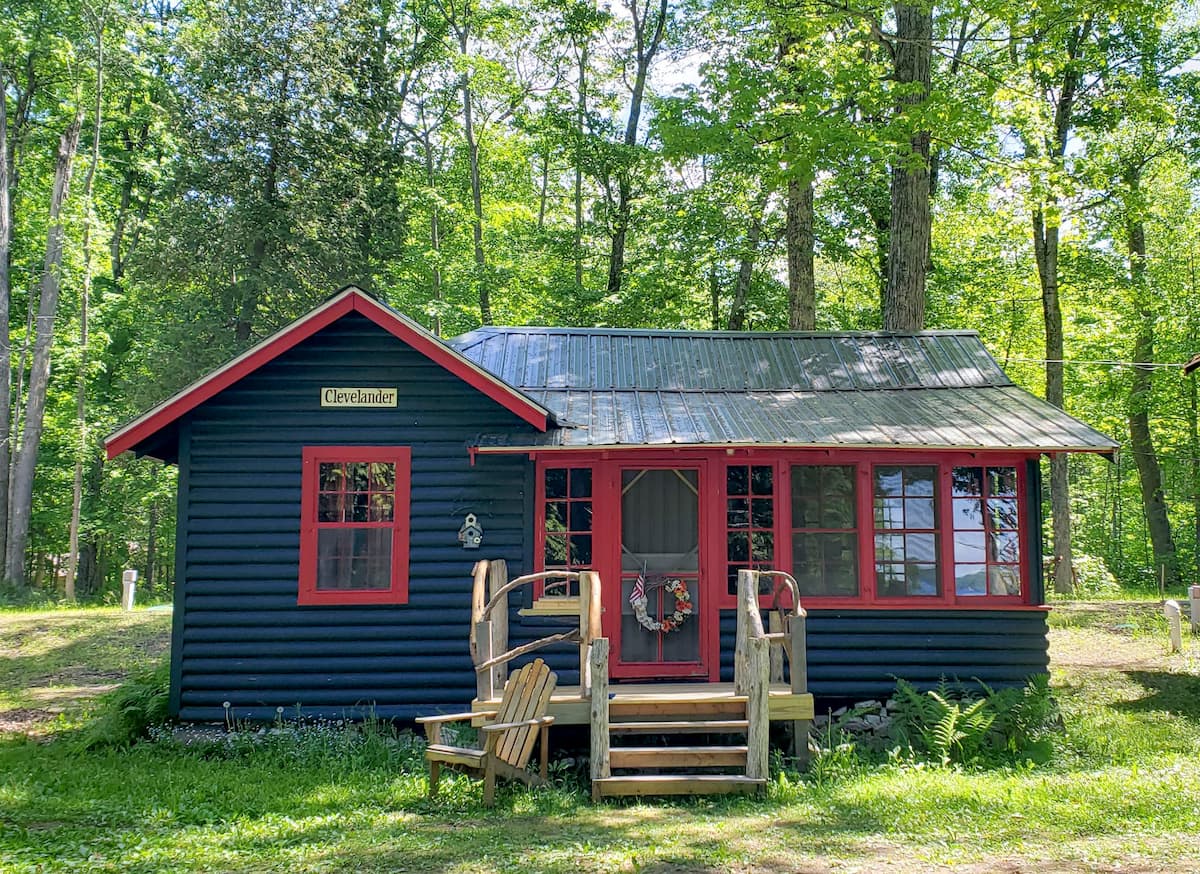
(568, 708)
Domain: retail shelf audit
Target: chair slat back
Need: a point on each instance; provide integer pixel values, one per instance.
(526, 696)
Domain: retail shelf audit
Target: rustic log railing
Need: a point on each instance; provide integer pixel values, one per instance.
(489, 623)
(756, 663)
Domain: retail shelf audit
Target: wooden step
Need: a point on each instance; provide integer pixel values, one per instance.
(678, 757)
(676, 784)
(621, 709)
(690, 726)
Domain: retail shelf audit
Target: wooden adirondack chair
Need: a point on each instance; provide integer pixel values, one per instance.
(508, 736)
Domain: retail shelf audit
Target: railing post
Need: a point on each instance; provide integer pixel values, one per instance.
(598, 660)
(479, 576)
(589, 625)
(798, 659)
(749, 624)
(758, 734)
(485, 688)
(775, 626)
(497, 578)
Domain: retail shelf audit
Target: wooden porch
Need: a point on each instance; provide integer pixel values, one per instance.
(735, 716)
(569, 706)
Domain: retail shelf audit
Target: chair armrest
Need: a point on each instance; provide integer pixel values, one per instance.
(501, 726)
(456, 717)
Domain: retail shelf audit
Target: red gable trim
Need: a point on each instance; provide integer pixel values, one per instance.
(350, 300)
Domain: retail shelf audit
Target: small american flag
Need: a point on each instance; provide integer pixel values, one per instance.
(639, 590)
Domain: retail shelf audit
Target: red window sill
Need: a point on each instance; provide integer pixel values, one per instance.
(350, 596)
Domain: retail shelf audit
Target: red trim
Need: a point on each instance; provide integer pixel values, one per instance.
(606, 520)
(350, 300)
(397, 592)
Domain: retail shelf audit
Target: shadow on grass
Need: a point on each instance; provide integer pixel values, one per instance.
(1178, 694)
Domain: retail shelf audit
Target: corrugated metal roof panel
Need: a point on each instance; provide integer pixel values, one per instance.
(996, 417)
(620, 387)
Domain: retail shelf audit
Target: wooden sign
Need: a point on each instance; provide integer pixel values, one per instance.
(358, 397)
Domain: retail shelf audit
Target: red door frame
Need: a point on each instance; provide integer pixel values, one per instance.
(706, 612)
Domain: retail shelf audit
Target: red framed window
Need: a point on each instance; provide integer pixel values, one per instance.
(749, 522)
(565, 496)
(987, 541)
(907, 531)
(354, 532)
(824, 529)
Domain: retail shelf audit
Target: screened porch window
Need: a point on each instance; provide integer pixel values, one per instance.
(354, 535)
(906, 531)
(825, 530)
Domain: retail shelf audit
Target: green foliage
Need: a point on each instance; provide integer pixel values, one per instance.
(126, 714)
(954, 727)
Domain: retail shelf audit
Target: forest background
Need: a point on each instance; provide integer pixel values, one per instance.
(179, 179)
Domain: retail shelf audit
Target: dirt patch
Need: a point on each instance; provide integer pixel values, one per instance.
(24, 720)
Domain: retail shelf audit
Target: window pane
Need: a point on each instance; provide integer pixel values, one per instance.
(889, 547)
(918, 513)
(738, 513)
(922, 579)
(556, 482)
(969, 546)
(805, 514)
(826, 564)
(889, 482)
(968, 514)
(581, 482)
(738, 547)
(966, 482)
(920, 547)
(555, 554)
(889, 580)
(1004, 546)
(331, 476)
(737, 481)
(1003, 512)
(382, 508)
(556, 516)
(970, 579)
(358, 476)
(889, 513)
(1002, 481)
(762, 480)
(354, 558)
(359, 506)
(919, 480)
(1004, 580)
(581, 515)
(329, 508)
(581, 549)
(383, 476)
(762, 513)
(763, 543)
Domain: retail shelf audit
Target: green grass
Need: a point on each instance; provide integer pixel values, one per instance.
(1124, 787)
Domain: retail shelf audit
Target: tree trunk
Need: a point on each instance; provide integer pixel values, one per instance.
(1166, 563)
(802, 294)
(84, 295)
(580, 121)
(5, 303)
(714, 297)
(1045, 250)
(151, 544)
(741, 288)
(39, 372)
(908, 239)
(485, 301)
(645, 50)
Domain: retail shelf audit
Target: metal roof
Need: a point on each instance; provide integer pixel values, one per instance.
(938, 389)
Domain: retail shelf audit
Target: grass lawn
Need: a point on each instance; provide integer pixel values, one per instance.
(1122, 793)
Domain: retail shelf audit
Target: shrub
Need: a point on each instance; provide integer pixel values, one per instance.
(123, 715)
(952, 725)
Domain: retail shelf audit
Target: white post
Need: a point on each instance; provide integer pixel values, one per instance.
(1194, 596)
(128, 589)
(1173, 613)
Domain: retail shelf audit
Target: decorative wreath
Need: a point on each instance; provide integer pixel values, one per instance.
(671, 622)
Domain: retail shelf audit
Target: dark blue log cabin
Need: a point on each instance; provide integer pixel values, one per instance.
(326, 477)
